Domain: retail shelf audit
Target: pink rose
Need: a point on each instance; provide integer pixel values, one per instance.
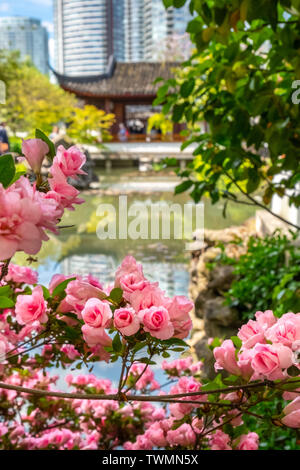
(248, 441)
(225, 357)
(96, 313)
(148, 297)
(182, 328)
(35, 151)
(29, 329)
(156, 321)
(30, 308)
(70, 351)
(128, 266)
(70, 161)
(244, 363)
(185, 385)
(129, 283)
(286, 330)
(147, 376)
(3, 429)
(291, 395)
(265, 319)
(183, 436)
(179, 307)
(219, 441)
(156, 435)
(20, 217)
(95, 336)
(21, 274)
(56, 280)
(79, 292)
(251, 333)
(126, 321)
(292, 414)
(269, 359)
(67, 193)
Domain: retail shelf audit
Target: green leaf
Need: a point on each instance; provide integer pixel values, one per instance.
(60, 288)
(46, 292)
(7, 169)
(146, 360)
(178, 111)
(116, 295)
(184, 186)
(71, 333)
(40, 135)
(17, 176)
(236, 341)
(253, 180)
(117, 344)
(293, 371)
(194, 26)
(5, 291)
(174, 341)
(5, 302)
(139, 346)
(168, 3)
(187, 87)
(73, 316)
(178, 3)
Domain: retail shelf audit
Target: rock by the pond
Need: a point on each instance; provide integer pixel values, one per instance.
(208, 285)
(215, 311)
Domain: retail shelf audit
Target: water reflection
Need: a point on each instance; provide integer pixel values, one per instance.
(78, 250)
(173, 277)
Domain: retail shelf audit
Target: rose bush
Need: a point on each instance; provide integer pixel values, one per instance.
(76, 322)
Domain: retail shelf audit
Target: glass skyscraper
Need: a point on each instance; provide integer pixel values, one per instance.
(28, 36)
(87, 32)
(134, 30)
(118, 29)
(161, 27)
(83, 36)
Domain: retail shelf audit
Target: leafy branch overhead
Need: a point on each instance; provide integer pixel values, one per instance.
(241, 81)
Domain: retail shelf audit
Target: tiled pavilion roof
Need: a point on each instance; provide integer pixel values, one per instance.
(122, 79)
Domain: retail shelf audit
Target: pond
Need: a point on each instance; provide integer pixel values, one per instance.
(78, 249)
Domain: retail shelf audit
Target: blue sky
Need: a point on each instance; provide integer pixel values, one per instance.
(40, 9)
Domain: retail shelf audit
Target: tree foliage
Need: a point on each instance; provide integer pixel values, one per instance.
(267, 276)
(241, 81)
(32, 101)
(160, 122)
(90, 124)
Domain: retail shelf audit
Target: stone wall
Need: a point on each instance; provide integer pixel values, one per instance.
(211, 317)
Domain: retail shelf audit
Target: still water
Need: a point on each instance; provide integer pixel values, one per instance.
(78, 249)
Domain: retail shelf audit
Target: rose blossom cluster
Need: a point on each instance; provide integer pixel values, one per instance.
(28, 210)
(101, 423)
(20, 275)
(184, 366)
(146, 308)
(269, 348)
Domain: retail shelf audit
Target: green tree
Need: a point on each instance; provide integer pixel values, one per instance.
(90, 125)
(32, 101)
(160, 122)
(242, 82)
